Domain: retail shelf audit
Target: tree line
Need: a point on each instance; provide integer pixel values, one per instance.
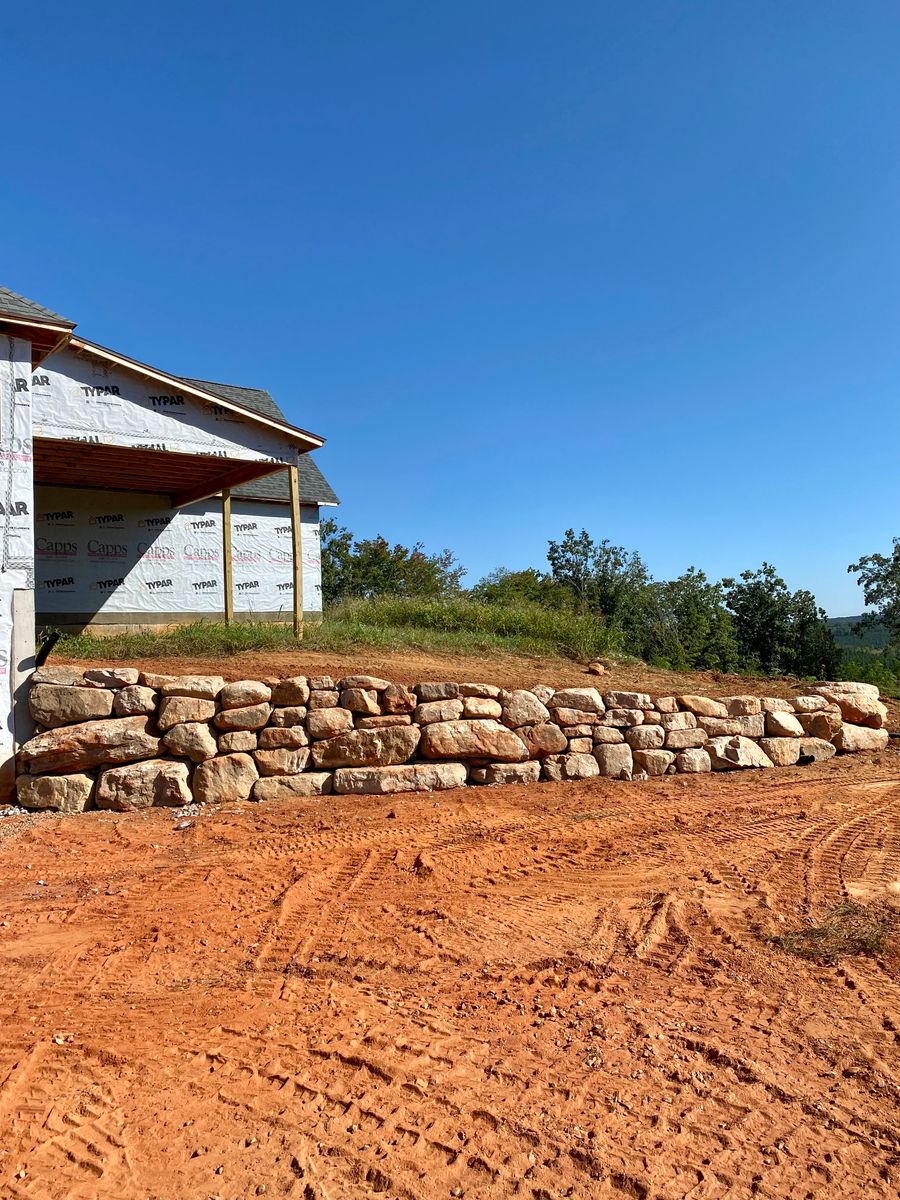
(753, 622)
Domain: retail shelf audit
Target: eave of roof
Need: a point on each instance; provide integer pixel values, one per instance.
(20, 309)
(309, 441)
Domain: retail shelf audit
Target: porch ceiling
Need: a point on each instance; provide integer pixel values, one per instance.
(185, 477)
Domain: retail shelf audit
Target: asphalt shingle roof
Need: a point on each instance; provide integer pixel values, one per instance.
(14, 305)
(314, 487)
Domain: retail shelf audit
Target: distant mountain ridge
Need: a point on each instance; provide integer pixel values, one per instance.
(873, 638)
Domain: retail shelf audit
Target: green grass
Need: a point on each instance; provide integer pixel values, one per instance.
(847, 929)
(457, 626)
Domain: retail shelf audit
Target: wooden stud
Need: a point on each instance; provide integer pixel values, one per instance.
(297, 537)
(226, 556)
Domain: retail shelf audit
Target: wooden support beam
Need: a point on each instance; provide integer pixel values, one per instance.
(297, 537)
(226, 557)
(213, 484)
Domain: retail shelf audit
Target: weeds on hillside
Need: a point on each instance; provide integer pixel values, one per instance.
(847, 930)
(456, 626)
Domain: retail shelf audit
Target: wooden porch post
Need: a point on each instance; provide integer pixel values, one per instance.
(297, 537)
(226, 556)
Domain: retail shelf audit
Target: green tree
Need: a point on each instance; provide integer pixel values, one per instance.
(779, 631)
(690, 627)
(607, 581)
(506, 587)
(879, 578)
(364, 568)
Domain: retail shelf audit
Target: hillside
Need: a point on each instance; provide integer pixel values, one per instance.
(873, 638)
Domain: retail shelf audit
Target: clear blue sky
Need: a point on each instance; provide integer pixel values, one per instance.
(633, 267)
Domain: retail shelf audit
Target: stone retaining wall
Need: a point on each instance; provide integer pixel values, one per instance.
(118, 739)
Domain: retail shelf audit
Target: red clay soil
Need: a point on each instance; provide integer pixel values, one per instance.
(562, 990)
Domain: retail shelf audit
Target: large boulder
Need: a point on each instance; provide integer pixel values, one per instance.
(293, 787)
(702, 706)
(64, 793)
(320, 698)
(397, 700)
(678, 720)
(328, 722)
(520, 708)
(225, 779)
(816, 749)
(274, 738)
(621, 718)
(495, 774)
(384, 781)
(627, 700)
(368, 748)
(850, 738)
(438, 710)
(645, 737)
(158, 782)
(742, 706)
(53, 705)
(693, 761)
(293, 714)
(584, 699)
(686, 739)
(239, 741)
(81, 747)
(193, 741)
(484, 691)
(858, 702)
(811, 704)
(477, 708)
(282, 762)
(70, 676)
(472, 739)
(615, 762)
(730, 753)
(253, 716)
(111, 677)
(653, 762)
(783, 725)
(134, 701)
(604, 735)
(244, 693)
(783, 751)
(361, 700)
(560, 767)
(541, 740)
(290, 692)
(567, 717)
(202, 687)
(367, 683)
(388, 721)
(821, 724)
(184, 710)
(436, 691)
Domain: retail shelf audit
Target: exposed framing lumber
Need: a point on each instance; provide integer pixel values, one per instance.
(226, 557)
(297, 539)
(219, 483)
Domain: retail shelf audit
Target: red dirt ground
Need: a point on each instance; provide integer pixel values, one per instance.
(541, 992)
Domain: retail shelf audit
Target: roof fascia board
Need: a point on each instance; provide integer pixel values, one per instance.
(35, 323)
(310, 441)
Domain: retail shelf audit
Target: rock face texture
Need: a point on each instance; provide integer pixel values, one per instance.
(113, 737)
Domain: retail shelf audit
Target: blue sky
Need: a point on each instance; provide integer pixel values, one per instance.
(633, 267)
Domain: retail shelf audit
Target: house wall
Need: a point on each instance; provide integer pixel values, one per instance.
(16, 550)
(122, 558)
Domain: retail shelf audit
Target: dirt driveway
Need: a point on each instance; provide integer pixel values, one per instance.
(545, 992)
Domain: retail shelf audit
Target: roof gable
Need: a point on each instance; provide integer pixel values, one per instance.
(20, 308)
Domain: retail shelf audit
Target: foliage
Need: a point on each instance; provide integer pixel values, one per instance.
(368, 567)
(879, 578)
(851, 633)
(777, 631)
(607, 581)
(690, 627)
(508, 588)
(848, 929)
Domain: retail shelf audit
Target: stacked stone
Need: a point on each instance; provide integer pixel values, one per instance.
(116, 739)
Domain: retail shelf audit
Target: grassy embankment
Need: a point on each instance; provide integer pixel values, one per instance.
(450, 626)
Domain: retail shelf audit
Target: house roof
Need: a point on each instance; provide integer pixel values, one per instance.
(20, 308)
(314, 487)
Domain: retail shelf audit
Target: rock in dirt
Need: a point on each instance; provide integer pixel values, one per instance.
(570, 766)
(253, 716)
(290, 692)
(472, 739)
(436, 691)
(80, 747)
(654, 762)
(134, 701)
(520, 707)
(476, 708)
(438, 710)
(816, 749)
(328, 722)
(193, 741)
(53, 705)
(416, 777)
(397, 700)
(693, 761)
(368, 748)
(224, 779)
(702, 706)
(614, 761)
(281, 762)
(541, 740)
(495, 774)
(646, 737)
(111, 677)
(293, 787)
(64, 793)
(850, 738)
(202, 687)
(782, 725)
(858, 702)
(783, 751)
(583, 699)
(184, 710)
(157, 782)
(244, 693)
